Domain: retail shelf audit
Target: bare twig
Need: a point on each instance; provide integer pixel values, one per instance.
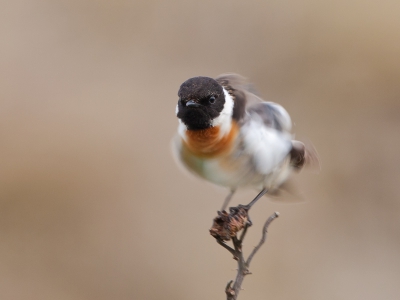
(226, 227)
(263, 237)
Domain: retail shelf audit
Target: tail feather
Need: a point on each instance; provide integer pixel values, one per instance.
(304, 155)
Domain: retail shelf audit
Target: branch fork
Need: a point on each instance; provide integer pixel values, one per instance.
(226, 227)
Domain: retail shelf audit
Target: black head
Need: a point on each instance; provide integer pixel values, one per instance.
(201, 99)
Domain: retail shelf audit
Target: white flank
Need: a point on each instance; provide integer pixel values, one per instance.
(267, 146)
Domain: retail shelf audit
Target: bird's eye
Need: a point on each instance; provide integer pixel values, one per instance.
(212, 100)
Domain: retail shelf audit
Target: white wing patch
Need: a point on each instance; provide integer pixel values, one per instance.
(266, 145)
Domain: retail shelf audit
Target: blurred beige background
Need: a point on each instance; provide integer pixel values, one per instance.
(92, 205)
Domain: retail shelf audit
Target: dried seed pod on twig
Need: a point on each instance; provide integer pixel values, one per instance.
(225, 226)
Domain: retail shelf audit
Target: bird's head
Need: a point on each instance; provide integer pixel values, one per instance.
(201, 102)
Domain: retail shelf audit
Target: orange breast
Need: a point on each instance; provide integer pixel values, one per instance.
(208, 143)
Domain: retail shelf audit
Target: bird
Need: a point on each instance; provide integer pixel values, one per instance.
(231, 137)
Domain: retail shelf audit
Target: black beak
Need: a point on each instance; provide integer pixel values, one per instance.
(192, 103)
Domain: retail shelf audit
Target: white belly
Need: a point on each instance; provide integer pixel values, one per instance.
(236, 172)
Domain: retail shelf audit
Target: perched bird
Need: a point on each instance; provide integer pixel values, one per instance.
(231, 137)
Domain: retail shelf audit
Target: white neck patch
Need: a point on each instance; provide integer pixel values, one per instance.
(224, 120)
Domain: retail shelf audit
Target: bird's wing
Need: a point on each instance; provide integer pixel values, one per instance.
(266, 127)
(246, 98)
(273, 115)
(237, 82)
(242, 92)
